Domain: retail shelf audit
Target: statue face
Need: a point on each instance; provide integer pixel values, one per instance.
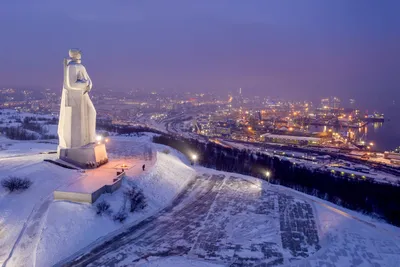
(75, 54)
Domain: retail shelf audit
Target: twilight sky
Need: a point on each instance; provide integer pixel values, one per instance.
(298, 49)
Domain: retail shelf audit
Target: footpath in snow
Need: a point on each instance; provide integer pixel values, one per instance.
(230, 219)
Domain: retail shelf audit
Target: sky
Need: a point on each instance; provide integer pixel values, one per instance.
(299, 49)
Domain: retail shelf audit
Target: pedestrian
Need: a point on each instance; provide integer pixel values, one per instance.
(144, 166)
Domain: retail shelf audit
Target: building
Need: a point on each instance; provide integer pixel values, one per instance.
(335, 102)
(330, 103)
(224, 131)
(290, 139)
(325, 103)
(391, 155)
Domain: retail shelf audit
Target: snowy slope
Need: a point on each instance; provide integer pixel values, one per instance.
(220, 218)
(71, 227)
(15, 148)
(234, 220)
(21, 213)
(175, 262)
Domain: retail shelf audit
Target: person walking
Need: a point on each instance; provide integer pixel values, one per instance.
(144, 166)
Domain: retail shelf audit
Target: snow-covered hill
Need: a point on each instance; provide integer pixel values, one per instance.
(71, 227)
(195, 217)
(27, 126)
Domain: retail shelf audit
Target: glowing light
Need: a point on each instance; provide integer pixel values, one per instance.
(268, 173)
(249, 128)
(106, 140)
(99, 138)
(371, 144)
(194, 156)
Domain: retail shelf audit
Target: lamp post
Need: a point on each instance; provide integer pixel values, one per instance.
(268, 174)
(194, 158)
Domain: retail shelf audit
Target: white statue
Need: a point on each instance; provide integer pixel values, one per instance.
(77, 122)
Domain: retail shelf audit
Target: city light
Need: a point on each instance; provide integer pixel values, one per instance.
(371, 144)
(99, 138)
(106, 140)
(194, 157)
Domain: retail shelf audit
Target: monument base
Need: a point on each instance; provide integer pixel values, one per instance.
(88, 156)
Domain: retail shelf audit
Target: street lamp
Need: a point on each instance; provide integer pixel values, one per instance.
(194, 158)
(268, 174)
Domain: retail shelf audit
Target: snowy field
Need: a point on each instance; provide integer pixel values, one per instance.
(232, 220)
(22, 214)
(35, 230)
(12, 148)
(195, 217)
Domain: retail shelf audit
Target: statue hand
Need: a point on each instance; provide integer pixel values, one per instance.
(87, 90)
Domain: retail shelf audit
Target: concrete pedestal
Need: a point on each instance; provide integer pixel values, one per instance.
(88, 156)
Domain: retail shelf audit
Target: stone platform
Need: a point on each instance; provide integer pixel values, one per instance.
(88, 156)
(105, 179)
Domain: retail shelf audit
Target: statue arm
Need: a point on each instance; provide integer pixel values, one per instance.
(90, 84)
(75, 82)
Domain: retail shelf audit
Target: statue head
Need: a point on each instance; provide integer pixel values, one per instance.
(75, 54)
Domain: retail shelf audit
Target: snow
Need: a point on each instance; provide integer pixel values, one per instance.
(14, 148)
(219, 218)
(71, 227)
(23, 212)
(175, 262)
(52, 128)
(349, 238)
(165, 180)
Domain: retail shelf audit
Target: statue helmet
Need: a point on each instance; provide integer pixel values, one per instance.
(75, 53)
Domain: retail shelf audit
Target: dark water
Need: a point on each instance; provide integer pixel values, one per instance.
(386, 136)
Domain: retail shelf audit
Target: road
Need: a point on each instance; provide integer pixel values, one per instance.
(222, 219)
